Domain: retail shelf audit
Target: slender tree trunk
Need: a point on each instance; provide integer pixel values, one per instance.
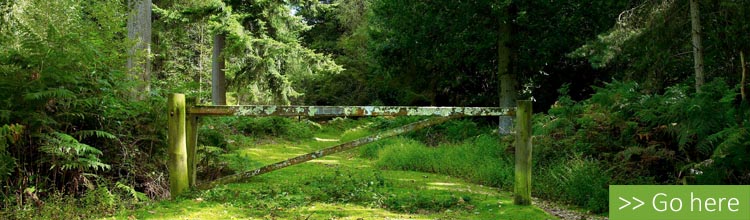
(139, 31)
(218, 79)
(201, 41)
(697, 44)
(743, 82)
(505, 73)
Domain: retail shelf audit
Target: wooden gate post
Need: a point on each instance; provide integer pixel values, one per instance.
(177, 163)
(522, 189)
(191, 130)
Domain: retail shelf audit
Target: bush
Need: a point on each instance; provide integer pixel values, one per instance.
(275, 127)
(372, 150)
(581, 182)
(211, 137)
(633, 137)
(452, 131)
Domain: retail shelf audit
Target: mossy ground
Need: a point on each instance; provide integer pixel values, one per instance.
(340, 186)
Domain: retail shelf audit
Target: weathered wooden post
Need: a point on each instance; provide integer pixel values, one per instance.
(177, 163)
(191, 131)
(522, 192)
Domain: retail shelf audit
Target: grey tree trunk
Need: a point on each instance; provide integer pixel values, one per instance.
(743, 82)
(506, 77)
(218, 78)
(139, 31)
(697, 44)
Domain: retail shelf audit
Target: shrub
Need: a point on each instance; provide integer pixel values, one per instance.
(275, 127)
(581, 182)
(372, 150)
(211, 137)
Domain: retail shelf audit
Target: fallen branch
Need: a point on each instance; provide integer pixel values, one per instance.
(325, 152)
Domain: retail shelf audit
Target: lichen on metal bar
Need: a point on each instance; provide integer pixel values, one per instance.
(345, 111)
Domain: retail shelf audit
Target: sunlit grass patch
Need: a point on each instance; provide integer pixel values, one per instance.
(341, 186)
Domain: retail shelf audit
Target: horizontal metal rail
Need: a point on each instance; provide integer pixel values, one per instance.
(342, 111)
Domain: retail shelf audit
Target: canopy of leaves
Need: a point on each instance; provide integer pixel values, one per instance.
(263, 49)
(651, 42)
(446, 52)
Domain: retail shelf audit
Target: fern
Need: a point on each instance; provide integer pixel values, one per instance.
(69, 154)
(728, 140)
(9, 134)
(95, 133)
(54, 93)
(137, 196)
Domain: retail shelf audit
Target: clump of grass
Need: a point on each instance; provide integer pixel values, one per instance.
(481, 159)
(579, 181)
(97, 202)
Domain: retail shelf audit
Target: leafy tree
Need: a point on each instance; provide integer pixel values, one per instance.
(440, 53)
(649, 44)
(262, 45)
(340, 28)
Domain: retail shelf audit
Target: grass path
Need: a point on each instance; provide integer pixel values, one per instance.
(340, 186)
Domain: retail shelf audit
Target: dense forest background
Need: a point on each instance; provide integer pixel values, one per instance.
(619, 95)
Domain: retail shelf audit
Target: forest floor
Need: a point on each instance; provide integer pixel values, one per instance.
(340, 186)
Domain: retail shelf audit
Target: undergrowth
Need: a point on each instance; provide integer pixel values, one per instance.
(366, 188)
(618, 136)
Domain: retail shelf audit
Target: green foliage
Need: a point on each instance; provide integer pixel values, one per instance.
(417, 202)
(337, 125)
(340, 29)
(211, 137)
(97, 202)
(9, 135)
(372, 150)
(67, 111)
(131, 192)
(623, 135)
(481, 159)
(651, 43)
(579, 181)
(348, 187)
(274, 126)
(100, 200)
(66, 153)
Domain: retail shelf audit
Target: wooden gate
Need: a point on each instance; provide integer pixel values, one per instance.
(183, 135)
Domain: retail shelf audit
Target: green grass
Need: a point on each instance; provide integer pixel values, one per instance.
(481, 159)
(341, 186)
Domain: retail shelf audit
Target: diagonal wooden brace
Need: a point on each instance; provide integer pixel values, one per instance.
(327, 151)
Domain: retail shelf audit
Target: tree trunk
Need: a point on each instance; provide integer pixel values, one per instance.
(697, 45)
(139, 31)
(218, 79)
(743, 82)
(506, 77)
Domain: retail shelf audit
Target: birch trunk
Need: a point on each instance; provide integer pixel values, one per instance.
(697, 44)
